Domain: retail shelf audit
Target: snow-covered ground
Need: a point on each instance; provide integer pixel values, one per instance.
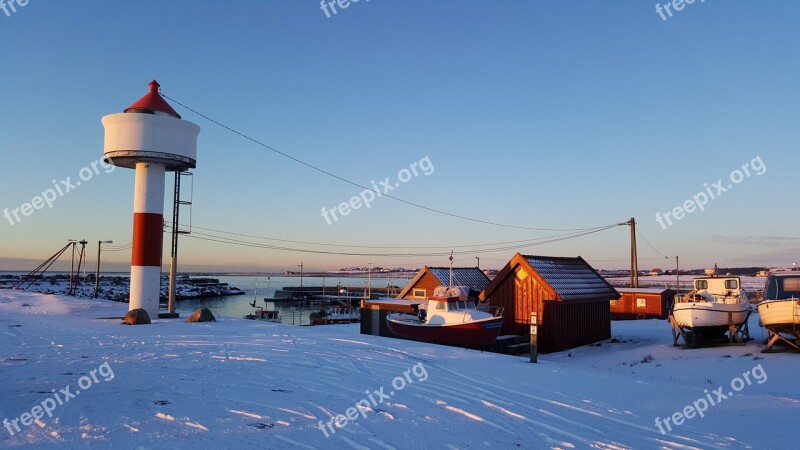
(244, 384)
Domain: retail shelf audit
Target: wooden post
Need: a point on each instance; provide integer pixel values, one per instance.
(634, 258)
(534, 332)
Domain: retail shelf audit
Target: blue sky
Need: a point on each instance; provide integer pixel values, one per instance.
(562, 115)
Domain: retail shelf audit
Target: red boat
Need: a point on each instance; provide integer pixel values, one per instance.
(449, 319)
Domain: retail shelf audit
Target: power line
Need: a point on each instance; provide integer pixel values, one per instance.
(239, 242)
(649, 244)
(449, 247)
(358, 185)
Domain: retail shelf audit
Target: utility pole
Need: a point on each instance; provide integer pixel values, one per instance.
(97, 269)
(369, 281)
(479, 261)
(81, 256)
(634, 259)
(72, 268)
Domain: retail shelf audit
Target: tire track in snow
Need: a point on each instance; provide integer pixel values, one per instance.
(599, 415)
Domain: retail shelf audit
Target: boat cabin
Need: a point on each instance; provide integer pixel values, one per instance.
(716, 289)
(782, 286)
(448, 305)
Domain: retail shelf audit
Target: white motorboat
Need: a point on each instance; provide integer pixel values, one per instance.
(779, 311)
(713, 306)
(449, 318)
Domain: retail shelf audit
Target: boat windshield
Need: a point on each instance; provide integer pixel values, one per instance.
(457, 305)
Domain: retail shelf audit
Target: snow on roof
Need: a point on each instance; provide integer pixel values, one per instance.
(472, 277)
(572, 278)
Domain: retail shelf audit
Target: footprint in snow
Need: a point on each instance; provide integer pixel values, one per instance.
(162, 402)
(261, 426)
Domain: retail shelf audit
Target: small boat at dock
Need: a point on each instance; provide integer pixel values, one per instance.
(335, 315)
(264, 314)
(267, 313)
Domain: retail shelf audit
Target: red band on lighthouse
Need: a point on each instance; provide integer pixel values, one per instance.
(147, 239)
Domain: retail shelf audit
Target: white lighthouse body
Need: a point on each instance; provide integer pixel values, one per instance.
(151, 137)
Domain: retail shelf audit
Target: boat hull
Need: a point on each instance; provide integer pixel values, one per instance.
(479, 333)
(782, 315)
(709, 314)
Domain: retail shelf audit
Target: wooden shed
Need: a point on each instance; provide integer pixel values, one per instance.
(642, 303)
(422, 285)
(374, 312)
(570, 298)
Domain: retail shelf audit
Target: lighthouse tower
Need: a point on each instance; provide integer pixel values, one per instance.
(151, 137)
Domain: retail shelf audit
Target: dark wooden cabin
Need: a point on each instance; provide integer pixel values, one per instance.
(570, 298)
(642, 303)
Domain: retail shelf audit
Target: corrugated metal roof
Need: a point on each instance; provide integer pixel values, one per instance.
(572, 278)
(462, 276)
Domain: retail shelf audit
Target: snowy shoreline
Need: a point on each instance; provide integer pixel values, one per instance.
(117, 288)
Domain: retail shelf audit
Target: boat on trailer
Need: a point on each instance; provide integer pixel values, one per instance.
(715, 306)
(779, 311)
(449, 318)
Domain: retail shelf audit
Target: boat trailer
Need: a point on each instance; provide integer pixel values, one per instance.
(737, 333)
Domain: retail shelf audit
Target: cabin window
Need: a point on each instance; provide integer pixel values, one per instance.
(791, 284)
(614, 302)
(419, 293)
(731, 284)
(440, 305)
(701, 284)
(641, 303)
